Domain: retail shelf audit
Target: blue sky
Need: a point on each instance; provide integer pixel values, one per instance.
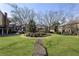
(68, 8)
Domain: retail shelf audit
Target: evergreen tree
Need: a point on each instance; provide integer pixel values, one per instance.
(32, 26)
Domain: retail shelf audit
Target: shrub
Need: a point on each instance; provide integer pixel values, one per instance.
(36, 34)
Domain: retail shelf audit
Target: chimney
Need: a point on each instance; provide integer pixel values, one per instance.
(5, 15)
(5, 19)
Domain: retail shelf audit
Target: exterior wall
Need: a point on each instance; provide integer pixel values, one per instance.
(68, 30)
(60, 29)
(1, 19)
(4, 23)
(71, 29)
(78, 26)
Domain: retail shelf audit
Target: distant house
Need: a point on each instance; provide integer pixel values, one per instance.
(71, 27)
(40, 28)
(43, 28)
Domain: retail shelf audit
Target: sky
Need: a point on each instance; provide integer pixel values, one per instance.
(67, 8)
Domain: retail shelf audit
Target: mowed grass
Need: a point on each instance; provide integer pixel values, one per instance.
(16, 46)
(57, 45)
(62, 45)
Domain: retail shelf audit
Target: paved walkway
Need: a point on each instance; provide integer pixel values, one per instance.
(39, 48)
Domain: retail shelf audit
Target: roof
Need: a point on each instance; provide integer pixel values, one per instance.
(63, 24)
(71, 22)
(1, 12)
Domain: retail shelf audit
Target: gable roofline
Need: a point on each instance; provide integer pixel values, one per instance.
(1, 12)
(71, 23)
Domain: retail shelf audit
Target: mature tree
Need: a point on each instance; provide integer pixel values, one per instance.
(20, 14)
(48, 19)
(52, 19)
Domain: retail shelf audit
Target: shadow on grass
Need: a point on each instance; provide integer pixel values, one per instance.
(73, 49)
(13, 34)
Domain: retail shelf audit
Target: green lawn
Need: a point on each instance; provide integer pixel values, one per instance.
(61, 45)
(16, 46)
(56, 45)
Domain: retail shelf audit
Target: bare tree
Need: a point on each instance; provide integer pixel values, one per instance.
(47, 19)
(20, 14)
(40, 18)
(52, 19)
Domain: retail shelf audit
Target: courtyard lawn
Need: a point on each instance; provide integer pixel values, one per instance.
(16, 46)
(57, 45)
(62, 45)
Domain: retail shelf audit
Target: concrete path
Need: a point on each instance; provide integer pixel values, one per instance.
(39, 48)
